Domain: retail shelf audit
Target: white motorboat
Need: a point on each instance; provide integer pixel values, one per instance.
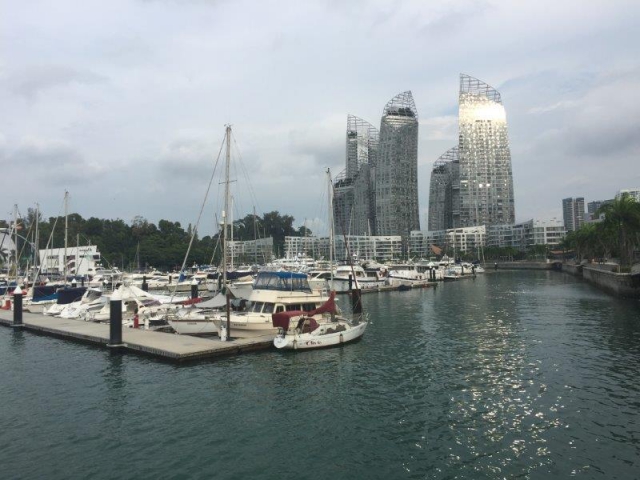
(273, 292)
(407, 277)
(348, 276)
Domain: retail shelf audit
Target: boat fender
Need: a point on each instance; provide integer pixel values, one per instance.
(295, 344)
(341, 339)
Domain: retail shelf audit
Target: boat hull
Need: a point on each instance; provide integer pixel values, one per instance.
(309, 341)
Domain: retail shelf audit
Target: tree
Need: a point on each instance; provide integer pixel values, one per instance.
(622, 216)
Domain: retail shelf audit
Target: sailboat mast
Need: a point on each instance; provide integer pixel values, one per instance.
(226, 206)
(231, 230)
(15, 238)
(66, 232)
(331, 233)
(255, 236)
(36, 242)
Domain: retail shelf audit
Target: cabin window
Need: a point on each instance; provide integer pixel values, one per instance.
(280, 309)
(293, 307)
(268, 308)
(257, 307)
(307, 307)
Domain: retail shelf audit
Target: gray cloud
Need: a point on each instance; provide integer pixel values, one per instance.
(131, 112)
(30, 81)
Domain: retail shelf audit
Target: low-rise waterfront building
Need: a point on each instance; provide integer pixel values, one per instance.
(362, 247)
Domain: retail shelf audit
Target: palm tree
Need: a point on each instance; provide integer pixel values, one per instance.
(622, 217)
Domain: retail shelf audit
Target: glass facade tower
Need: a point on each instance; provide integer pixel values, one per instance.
(396, 169)
(353, 205)
(444, 198)
(486, 179)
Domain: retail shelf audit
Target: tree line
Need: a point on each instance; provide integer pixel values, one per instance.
(616, 236)
(143, 244)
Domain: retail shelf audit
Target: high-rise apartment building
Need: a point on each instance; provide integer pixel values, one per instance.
(353, 204)
(396, 170)
(573, 213)
(472, 184)
(486, 179)
(444, 191)
(632, 192)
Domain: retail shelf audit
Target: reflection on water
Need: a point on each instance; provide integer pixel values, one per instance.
(524, 374)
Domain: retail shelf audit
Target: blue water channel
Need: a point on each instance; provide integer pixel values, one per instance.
(511, 375)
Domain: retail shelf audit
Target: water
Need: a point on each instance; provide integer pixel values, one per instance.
(512, 375)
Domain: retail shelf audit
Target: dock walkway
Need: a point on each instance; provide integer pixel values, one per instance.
(169, 346)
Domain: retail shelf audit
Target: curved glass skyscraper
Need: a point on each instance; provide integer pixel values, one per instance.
(444, 190)
(353, 188)
(486, 180)
(396, 170)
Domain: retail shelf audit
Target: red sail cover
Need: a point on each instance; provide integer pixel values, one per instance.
(281, 319)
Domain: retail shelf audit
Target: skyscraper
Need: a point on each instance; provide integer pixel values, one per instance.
(573, 213)
(486, 179)
(472, 184)
(396, 170)
(444, 198)
(353, 188)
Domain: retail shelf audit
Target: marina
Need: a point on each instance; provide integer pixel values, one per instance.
(518, 374)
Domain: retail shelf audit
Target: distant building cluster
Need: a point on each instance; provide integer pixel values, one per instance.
(574, 214)
(377, 193)
(471, 196)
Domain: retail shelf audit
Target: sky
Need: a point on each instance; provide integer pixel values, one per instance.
(124, 103)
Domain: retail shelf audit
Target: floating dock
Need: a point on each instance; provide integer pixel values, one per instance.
(389, 288)
(169, 346)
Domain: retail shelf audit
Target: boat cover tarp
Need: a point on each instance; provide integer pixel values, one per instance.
(218, 301)
(283, 281)
(281, 319)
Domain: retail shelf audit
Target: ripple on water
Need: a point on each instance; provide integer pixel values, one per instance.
(511, 375)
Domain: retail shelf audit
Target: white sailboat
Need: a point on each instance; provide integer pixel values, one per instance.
(196, 322)
(300, 330)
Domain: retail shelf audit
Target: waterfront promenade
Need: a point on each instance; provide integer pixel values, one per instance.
(178, 348)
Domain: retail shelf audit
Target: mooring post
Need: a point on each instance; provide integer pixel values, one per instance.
(350, 282)
(115, 321)
(194, 289)
(17, 308)
(356, 301)
(228, 328)
(145, 285)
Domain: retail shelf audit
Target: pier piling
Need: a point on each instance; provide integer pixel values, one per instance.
(115, 323)
(194, 289)
(17, 308)
(145, 285)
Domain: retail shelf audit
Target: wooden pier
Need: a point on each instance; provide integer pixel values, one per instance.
(178, 348)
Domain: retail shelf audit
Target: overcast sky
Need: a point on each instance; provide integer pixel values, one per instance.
(123, 102)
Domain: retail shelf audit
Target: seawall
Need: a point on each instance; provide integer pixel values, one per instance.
(620, 284)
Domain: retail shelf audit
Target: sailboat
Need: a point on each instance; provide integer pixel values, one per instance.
(199, 319)
(300, 330)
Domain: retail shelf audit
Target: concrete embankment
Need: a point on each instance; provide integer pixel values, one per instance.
(600, 276)
(621, 284)
(605, 278)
